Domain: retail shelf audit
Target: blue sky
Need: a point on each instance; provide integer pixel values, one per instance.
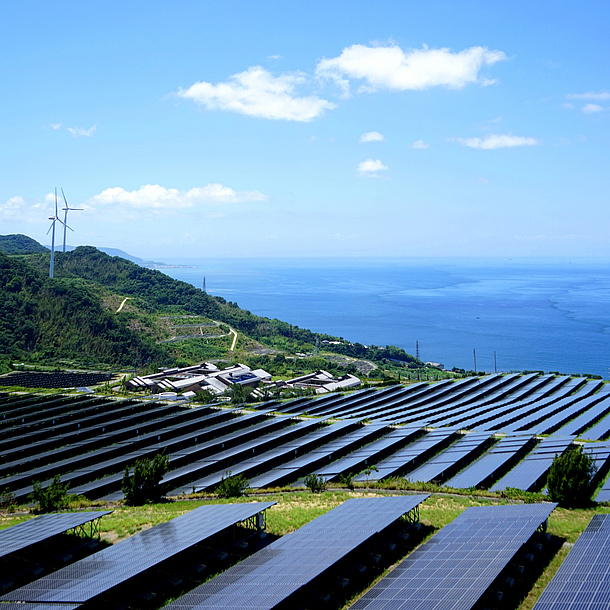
(388, 128)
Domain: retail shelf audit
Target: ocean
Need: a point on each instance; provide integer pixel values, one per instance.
(511, 315)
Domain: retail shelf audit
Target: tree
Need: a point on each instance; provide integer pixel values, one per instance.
(145, 484)
(51, 498)
(570, 479)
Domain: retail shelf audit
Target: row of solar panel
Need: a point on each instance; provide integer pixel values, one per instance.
(504, 403)
(268, 459)
(454, 569)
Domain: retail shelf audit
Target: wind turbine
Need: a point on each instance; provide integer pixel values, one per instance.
(66, 209)
(53, 220)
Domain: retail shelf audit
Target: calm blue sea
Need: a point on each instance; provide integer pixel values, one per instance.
(543, 315)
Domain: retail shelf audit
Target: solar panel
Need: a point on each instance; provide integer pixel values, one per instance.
(530, 474)
(455, 568)
(27, 533)
(409, 457)
(506, 452)
(449, 460)
(93, 576)
(283, 568)
(583, 579)
(36, 606)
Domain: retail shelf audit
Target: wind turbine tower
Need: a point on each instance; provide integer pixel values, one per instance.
(53, 220)
(66, 210)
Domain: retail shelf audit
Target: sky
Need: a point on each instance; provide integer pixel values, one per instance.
(192, 129)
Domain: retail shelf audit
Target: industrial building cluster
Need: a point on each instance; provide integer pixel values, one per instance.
(189, 380)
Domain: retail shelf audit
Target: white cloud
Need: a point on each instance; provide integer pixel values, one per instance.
(394, 69)
(79, 132)
(18, 208)
(592, 108)
(590, 95)
(372, 136)
(55, 126)
(370, 167)
(258, 93)
(420, 144)
(155, 197)
(492, 141)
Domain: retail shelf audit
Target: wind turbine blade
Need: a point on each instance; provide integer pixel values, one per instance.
(63, 223)
(55, 202)
(52, 225)
(64, 196)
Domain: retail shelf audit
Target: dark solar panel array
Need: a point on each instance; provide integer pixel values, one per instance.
(89, 442)
(505, 414)
(449, 461)
(513, 386)
(496, 404)
(99, 573)
(598, 431)
(80, 454)
(595, 407)
(263, 461)
(455, 568)
(290, 471)
(411, 456)
(530, 474)
(279, 571)
(370, 454)
(36, 606)
(33, 531)
(582, 581)
(550, 423)
(491, 464)
(109, 461)
(187, 461)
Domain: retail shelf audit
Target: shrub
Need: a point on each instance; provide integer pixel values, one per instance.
(347, 480)
(145, 484)
(315, 483)
(52, 498)
(570, 479)
(232, 486)
(7, 500)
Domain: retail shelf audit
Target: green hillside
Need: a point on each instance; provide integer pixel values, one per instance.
(47, 320)
(109, 310)
(20, 244)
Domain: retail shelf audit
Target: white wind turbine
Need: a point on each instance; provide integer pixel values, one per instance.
(66, 209)
(53, 220)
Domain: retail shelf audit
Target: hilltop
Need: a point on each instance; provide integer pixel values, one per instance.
(107, 310)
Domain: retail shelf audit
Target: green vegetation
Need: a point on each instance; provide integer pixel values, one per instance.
(570, 479)
(144, 484)
(315, 483)
(232, 486)
(52, 498)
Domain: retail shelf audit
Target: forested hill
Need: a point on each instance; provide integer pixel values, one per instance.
(160, 293)
(20, 244)
(48, 319)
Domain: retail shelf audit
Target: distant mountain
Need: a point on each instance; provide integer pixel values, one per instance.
(20, 244)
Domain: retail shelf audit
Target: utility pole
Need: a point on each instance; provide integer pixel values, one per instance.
(495, 363)
(474, 355)
(417, 349)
